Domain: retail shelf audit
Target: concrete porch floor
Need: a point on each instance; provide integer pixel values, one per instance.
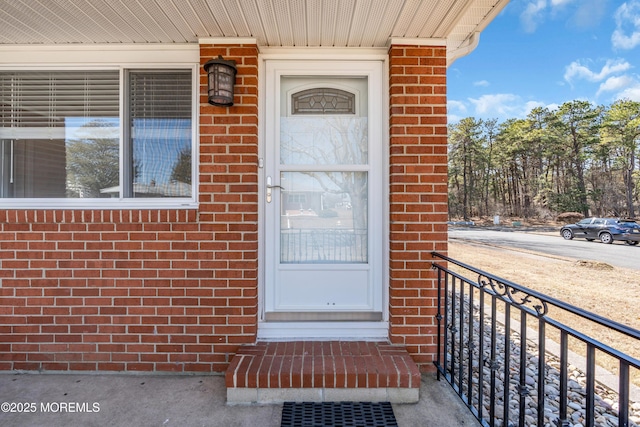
(177, 400)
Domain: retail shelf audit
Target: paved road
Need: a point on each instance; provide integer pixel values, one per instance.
(616, 254)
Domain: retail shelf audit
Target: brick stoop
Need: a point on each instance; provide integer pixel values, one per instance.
(322, 371)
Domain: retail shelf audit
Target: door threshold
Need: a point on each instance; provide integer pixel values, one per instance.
(336, 330)
(323, 316)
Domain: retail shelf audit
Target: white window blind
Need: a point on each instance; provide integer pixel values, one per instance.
(160, 133)
(163, 94)
(58, 133)
(36, 102)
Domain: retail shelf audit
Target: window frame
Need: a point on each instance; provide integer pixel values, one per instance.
(187, 58)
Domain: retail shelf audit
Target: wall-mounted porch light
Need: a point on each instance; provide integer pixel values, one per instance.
(222, 78)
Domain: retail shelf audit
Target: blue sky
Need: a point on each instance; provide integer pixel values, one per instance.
(547, 52)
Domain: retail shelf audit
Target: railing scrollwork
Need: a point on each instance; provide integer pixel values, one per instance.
(517, 297)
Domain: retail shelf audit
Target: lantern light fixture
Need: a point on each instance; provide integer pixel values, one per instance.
(222, 78)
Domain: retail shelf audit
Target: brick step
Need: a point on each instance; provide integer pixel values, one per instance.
(270, 372)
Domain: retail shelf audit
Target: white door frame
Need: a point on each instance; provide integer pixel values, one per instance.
(300, 60)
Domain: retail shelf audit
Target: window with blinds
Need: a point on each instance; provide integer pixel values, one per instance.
(159, 106)
(60, 134)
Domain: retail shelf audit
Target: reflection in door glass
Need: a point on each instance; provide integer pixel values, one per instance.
(323, 217)
(323, 140)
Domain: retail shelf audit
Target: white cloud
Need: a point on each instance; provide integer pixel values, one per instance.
(627, 32)
(530, 105)
(482, 83)
(505, 106)
(632, 93)
(589, 14)
(533, 15)
(616, 84)
(578, 13)
(576, 70)
(556, 3)
(458, 106)
(501, 106)
(456, 111)
(498, 105)
(454, 118)
(552, 106)
(613, 78)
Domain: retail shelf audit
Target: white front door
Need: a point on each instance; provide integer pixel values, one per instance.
(323, 197)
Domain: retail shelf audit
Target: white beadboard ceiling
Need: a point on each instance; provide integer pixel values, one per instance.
(281, 23)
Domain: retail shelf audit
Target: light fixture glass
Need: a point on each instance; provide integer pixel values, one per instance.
(222, 79)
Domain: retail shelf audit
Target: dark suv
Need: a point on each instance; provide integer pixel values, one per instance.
(605, 229)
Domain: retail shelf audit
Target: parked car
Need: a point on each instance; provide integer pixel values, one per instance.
(605, 229)
(635, 230)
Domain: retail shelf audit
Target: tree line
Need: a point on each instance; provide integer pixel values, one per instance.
(579, 157)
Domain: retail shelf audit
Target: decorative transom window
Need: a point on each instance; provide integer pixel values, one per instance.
(323, 100)
(64, 134)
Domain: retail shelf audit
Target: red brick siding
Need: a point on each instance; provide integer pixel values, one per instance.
(418, 193)
(143, 290)
(176, 290)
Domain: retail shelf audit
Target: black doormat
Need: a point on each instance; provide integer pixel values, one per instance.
(338, 414)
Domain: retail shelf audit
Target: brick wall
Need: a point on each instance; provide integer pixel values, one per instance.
(143, 290)
(176, 290)
(418, 193)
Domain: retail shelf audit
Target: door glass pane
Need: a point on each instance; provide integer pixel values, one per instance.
(323, 140)
(323, 121)
(323, 217)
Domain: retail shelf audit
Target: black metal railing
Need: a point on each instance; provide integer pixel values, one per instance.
(540, 371)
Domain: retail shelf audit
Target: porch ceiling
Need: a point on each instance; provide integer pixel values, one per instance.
(281, 23)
